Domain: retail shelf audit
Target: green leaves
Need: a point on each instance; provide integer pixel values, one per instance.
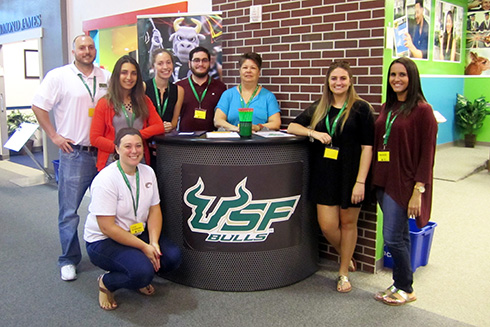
(469, 115)
(15, 118)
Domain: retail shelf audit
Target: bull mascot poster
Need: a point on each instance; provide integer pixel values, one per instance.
(179, 33)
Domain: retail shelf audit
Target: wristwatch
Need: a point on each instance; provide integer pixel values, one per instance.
(421, 189)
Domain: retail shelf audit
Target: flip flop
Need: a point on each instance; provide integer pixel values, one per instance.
(381, 294)
(110, 296)
(341, 281)
(352, 265)
(147, 290)
(395, 301)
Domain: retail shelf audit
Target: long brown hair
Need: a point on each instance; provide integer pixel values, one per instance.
(414, 88)
(114, 91)
(327, 97)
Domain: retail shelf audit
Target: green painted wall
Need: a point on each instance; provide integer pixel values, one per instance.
(475, 87)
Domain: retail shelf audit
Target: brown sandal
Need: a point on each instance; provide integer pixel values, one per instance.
(108, 294)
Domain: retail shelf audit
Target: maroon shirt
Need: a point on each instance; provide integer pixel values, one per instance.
(412, 145)
(187, 121)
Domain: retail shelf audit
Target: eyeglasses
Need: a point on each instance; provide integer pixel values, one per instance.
(197, 60)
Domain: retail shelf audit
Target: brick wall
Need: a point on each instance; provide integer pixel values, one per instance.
(297, 41)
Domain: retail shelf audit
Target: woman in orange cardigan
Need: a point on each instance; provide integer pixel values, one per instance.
(124, 105)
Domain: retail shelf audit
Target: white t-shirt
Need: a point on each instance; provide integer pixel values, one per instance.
(63, 91)
(110, 196)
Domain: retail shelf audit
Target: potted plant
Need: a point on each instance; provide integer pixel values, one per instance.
(14, 120)
(469, 117)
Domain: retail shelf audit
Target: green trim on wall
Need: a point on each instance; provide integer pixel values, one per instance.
(379, 235)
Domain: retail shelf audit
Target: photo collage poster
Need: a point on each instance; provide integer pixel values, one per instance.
(179, 34)
(478, 38)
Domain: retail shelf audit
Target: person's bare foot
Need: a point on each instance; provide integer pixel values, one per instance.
(106, 298)
(147, 290)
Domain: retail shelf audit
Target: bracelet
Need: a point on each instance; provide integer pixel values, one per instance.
(360, 182)
(310, 133)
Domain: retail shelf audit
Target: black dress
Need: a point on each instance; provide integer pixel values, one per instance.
(171, 93)
(332, 181)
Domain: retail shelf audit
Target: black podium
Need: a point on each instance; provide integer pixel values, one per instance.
(239, 210)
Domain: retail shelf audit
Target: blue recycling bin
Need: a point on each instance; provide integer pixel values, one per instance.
(56, 167)
(421, 240)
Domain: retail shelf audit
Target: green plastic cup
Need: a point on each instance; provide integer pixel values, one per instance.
(245, 116)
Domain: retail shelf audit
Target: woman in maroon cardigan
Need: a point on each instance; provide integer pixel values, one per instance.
(404, 144)
(124, 105)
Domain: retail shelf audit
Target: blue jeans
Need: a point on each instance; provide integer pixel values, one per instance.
(129, 267)
(76, 172)
(396, 233)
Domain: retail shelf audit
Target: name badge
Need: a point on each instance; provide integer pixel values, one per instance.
(331, 153)
(384, 156)
(91, 112)
(137, 228)
(200, 113)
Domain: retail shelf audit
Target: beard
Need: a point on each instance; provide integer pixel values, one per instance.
(200, 75)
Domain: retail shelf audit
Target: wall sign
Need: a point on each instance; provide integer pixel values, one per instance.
(21, 24)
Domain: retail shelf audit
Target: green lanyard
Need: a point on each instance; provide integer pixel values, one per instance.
(92, 96)
(135, 203)
(130, 121)
(388, 125)
(245, 105)
(165, 103)
(195, 93)
(331, 129)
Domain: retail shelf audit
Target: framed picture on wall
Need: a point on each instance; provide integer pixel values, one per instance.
(31, 64)
(411, 24)
(448, 31)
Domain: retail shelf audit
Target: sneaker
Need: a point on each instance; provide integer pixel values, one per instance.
(68, 272)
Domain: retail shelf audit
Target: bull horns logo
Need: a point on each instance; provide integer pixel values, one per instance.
(178, 21)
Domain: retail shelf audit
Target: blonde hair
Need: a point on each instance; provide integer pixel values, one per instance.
(326, 100)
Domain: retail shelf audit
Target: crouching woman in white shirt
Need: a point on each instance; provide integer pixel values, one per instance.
(125, 222)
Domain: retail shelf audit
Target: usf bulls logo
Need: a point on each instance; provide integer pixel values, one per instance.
(238, 218)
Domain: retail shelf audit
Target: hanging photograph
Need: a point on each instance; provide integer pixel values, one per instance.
(478, 43)
(411, 28)
(448, 32)
(179, 34)
(31, 64)
(478, 5)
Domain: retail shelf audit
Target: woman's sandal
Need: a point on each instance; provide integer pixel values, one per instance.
(352, 265)
(147, 290)
(341, 281)
(388, 296)
(106, 298)
(403, 298)
(381, 294)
